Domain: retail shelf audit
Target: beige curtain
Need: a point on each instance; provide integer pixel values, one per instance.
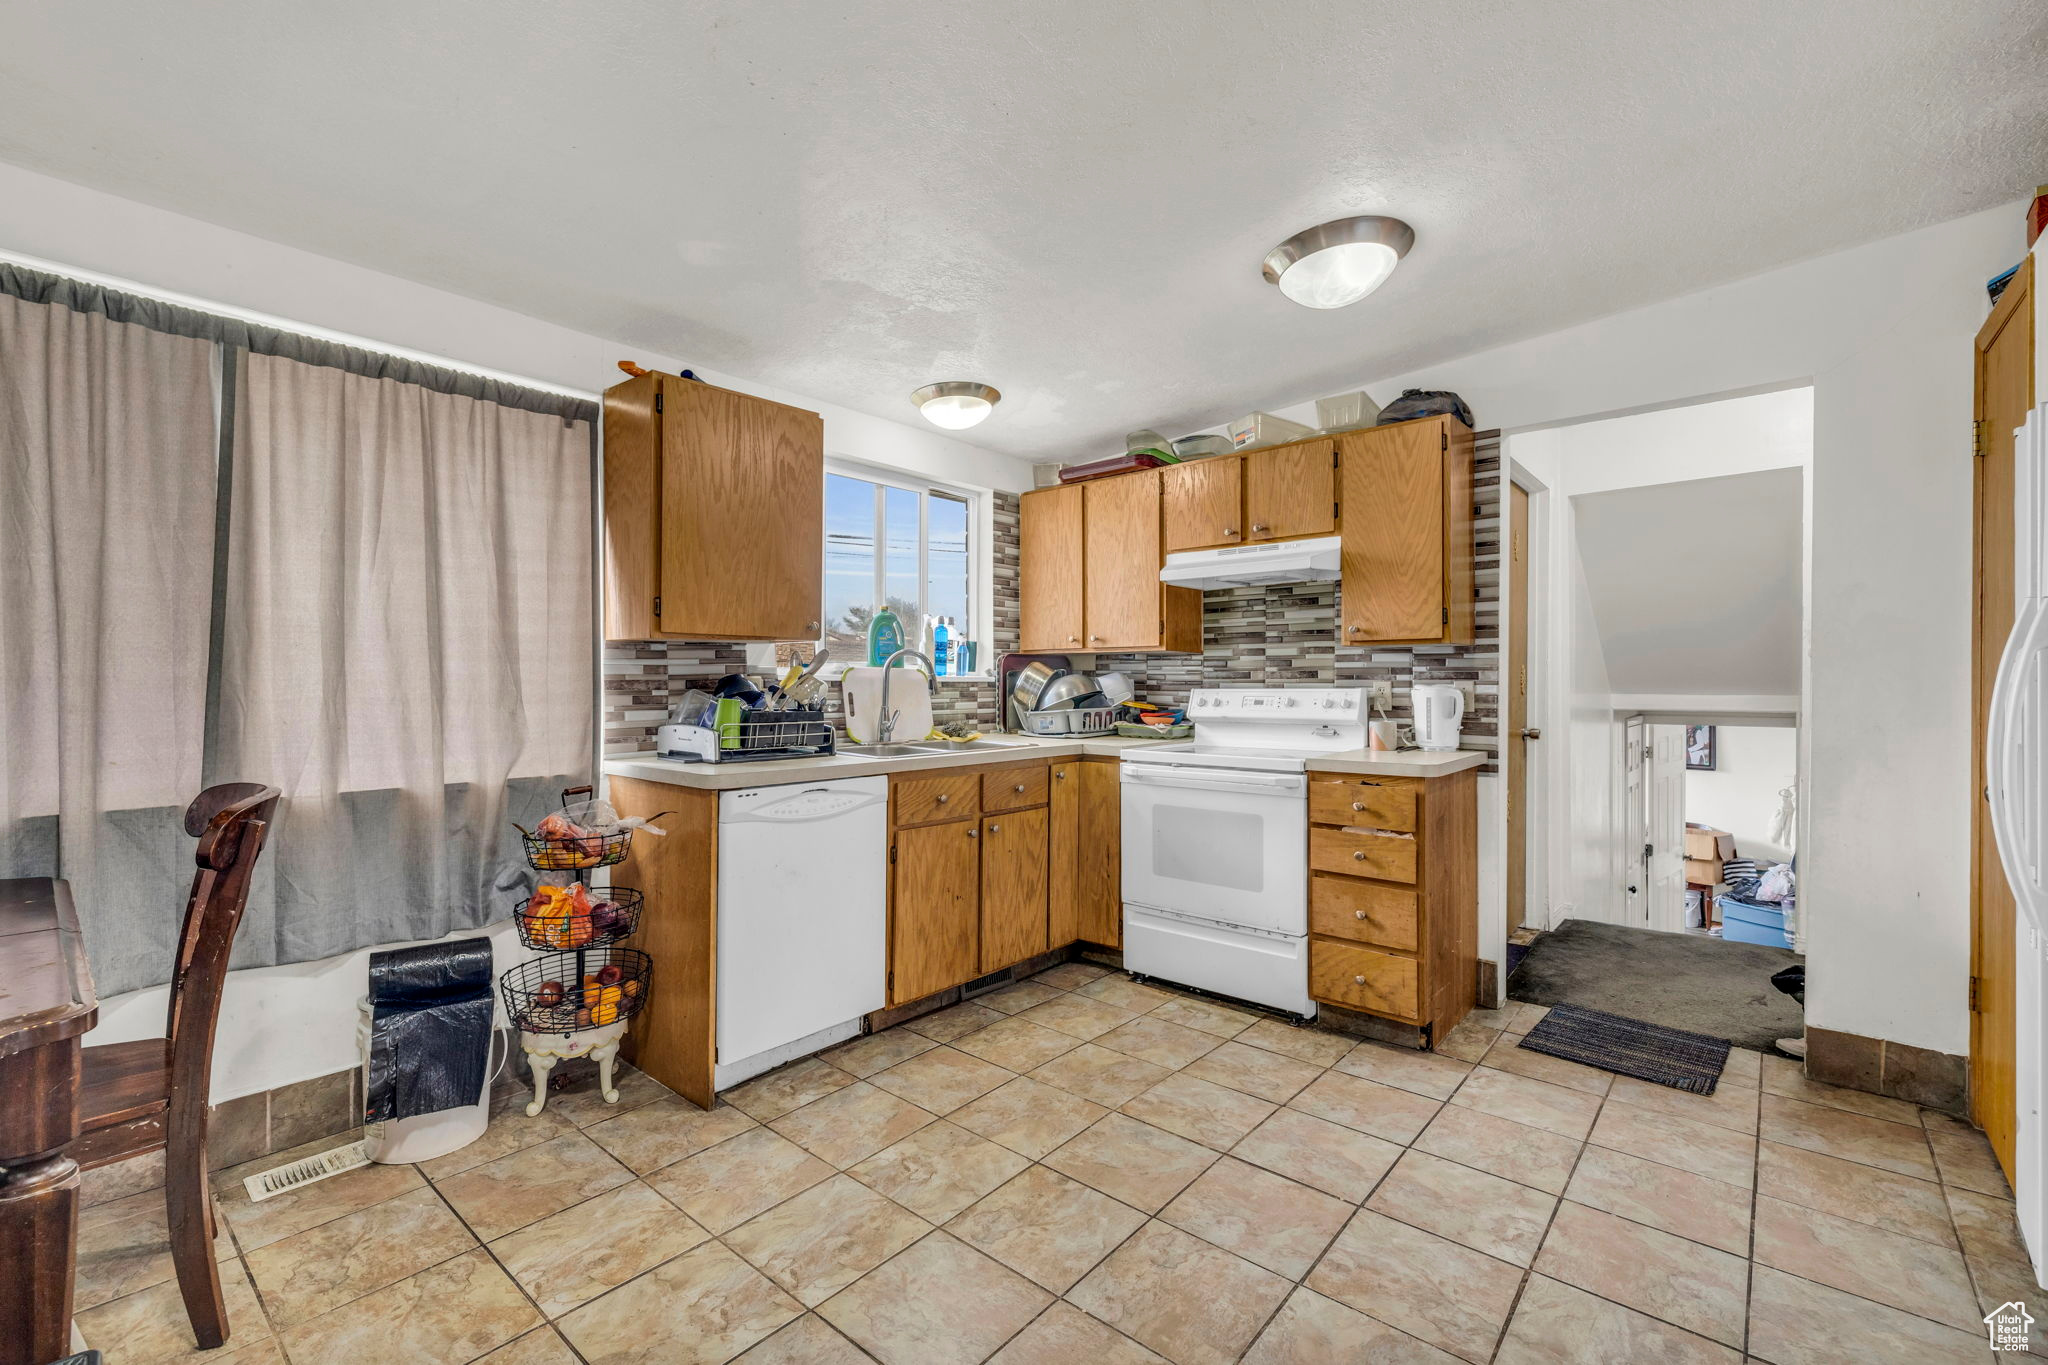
(107, 492)
(406, 648)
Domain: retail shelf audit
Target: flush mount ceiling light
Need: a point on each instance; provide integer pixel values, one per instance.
(955, 405)
(1338, 262)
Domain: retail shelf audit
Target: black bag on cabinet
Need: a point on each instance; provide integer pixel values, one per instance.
(1414, 403)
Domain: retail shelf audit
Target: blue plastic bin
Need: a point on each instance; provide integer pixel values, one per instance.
(1750, 922)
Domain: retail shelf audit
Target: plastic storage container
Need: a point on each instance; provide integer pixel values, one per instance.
(1264, 429)
(1742, 922)
(1346, 412)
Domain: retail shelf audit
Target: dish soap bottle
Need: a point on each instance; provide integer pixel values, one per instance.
(942, 643)
(885, 636)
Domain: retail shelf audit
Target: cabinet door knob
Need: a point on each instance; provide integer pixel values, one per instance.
(1358, 805)
(1018, 788)
(1095, 639)
(1359, 979)
(1359, 913)
(1229, 530)
(995, 829)
(1060, 776)
(1073, 639)
(1359, 856)
(974, 834)
(1356, 629)
(1256, 528)
(943, 798)
(814, 625)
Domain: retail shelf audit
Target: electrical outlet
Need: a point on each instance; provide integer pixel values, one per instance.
(1379, 697)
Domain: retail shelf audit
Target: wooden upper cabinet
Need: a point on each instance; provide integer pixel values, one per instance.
(1125, 606)
(1407, 559)
(1089, 572)
(714, 514)
(1204, 502)
(1291, 491)
(1050, 569)
(934, 909)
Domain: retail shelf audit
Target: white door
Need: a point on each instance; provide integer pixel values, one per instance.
(1218, 843)
(1666, 836)
(1635, 822)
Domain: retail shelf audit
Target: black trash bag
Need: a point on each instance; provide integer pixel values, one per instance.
(431, 1009)
(1792, 981)
(1415, 403)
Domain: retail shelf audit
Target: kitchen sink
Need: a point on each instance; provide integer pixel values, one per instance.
(971, 746)
(885, 751)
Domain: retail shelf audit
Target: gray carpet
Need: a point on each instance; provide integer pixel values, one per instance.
(1685, 981)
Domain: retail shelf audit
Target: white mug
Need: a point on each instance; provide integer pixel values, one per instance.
(1386, 735)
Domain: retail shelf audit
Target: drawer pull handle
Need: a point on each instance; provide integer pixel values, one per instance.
(1018, 788)
(1359, 856)
(1359, 913)
(943, 798)
(1358, 805)
(1359, 979)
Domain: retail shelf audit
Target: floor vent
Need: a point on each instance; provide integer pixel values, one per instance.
(283, 1179)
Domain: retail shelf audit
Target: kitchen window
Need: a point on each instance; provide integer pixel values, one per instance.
(898, 541)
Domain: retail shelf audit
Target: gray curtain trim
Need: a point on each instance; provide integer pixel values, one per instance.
(36, 286)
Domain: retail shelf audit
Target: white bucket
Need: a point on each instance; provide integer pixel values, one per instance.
(400, 1142)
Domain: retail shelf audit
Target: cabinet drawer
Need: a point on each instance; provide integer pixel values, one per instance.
(949, 796)
(1364, 911)
(1364, 979)
(1361, 853)
(1362, 803)
(1014, 788)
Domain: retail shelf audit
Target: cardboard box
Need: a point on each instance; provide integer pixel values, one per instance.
(1701, 842)
(1703, 871)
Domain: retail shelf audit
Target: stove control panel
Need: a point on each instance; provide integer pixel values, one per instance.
(1278, 704)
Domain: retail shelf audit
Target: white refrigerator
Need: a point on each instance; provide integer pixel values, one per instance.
(2016, 775)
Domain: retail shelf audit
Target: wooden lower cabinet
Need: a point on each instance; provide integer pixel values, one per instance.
(934, 908)
(1014, 871)
(1012, 862)
(1098, 855)
(1394, 896)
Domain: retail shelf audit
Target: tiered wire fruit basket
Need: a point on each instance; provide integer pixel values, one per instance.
(576, 998)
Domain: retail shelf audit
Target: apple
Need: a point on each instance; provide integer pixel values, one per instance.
(549, 995)
(611, 974)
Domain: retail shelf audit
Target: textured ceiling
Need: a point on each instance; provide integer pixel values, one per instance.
(1695, 585)
(1068, 200)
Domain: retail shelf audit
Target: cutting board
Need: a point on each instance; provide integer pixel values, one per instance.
(909, 697)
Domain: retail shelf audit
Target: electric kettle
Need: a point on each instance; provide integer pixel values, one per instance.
(1438, 708)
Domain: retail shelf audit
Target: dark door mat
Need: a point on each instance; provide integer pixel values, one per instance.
(1630, 1047)
(1682, 981)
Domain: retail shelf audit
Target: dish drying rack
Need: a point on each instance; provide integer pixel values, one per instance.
(1085, 720)
(751, 737)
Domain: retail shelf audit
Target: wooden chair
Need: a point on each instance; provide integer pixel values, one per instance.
(140, 1096)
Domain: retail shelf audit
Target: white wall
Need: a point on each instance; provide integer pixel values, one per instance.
(1752, 765)
(1883, 333)
(283, 1024)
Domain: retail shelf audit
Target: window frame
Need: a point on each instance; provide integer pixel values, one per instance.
(978, 617)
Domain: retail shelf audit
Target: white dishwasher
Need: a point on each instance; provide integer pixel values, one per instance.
(802, 919)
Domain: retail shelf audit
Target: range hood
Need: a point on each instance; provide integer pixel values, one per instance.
(1240, 566)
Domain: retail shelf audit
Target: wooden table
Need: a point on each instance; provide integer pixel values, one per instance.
(46, 1004)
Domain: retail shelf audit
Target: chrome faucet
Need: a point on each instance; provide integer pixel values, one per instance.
(885, 726)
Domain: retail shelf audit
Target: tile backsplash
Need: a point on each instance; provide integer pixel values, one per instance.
(1252, 637)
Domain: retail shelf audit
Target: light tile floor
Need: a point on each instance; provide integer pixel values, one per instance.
(1077, 1169)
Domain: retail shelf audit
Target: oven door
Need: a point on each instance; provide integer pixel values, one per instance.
(1219, 843)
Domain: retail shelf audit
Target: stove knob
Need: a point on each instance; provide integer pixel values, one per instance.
(1346, 702)
(1290, 701)
(1329, 703)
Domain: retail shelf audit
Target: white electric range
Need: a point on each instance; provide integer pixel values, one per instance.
(1215, 841)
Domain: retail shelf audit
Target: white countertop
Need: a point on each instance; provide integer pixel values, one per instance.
(849, 762)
